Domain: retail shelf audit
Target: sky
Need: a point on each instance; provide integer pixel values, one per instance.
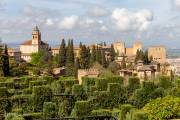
(153, 22)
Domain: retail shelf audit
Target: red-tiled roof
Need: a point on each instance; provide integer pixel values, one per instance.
(29, 42)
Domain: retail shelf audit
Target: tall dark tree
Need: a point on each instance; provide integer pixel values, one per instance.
(1, 60)
(70, 59)
(104, 61)
(76, 66)
(139, 55)
(5, 61)
(146, 59)
(98, 55)
(112, 53)
(123, 64)
(62, 53)
(84, 57)
(93, 55)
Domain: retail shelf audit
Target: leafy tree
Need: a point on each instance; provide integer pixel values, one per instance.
(62, 53)
(163, 108)
(146, 59)
(39, 58)
(114, 67)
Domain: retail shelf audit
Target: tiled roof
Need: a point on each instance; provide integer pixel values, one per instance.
(29, 42)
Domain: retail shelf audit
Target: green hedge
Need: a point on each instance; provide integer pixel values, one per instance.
(49, 110)
(78, 92)
(41, 94)
(33, 116)
(139, 115)
(81, 109)
(101, 112)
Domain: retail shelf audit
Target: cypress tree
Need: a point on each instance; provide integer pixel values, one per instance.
(1, 60)
(77, 66)
(84, 57)
(98, 55)
(146, 59)
(5, 61)
(70, 59)
(62, 54)
(93, 55)
(112, 53)
(103, 62)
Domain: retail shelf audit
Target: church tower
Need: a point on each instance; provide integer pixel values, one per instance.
(36, 36)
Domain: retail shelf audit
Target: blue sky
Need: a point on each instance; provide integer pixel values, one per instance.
(153, 22)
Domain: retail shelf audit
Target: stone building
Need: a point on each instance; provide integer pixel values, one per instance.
(121, 49)
(34, 45)
(15, 53)
(92, 73)
(157, 53)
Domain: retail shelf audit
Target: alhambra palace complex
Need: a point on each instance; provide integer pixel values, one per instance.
(157, 53)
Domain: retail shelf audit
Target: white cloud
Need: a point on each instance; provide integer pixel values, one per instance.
(98, 12)
(177, 3)
(49, 22)
(69, 22)
(104, 28)
(126, 20)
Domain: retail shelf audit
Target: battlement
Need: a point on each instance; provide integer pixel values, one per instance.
(87, 72)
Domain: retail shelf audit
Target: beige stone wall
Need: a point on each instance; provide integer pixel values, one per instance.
(87, 72)
(158, 54)
(129, 51)
(28, 49)
(137, 46)
(119, 47)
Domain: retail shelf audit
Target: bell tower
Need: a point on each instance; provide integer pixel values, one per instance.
(36, 36)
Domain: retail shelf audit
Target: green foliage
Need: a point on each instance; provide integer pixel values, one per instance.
(81, 109)
(62, 54)
(64, 108)
(165, 82)
(5, 61)
(49, 110)
(101, 83)
(147, 92)
(112, 53)
(101, 112)
(114, 67)
(139, 115)
(33, 116)
(41, 94)
(78, 92)
(133, 84)
(70, 71)
(126, 108)
(14, 116)
(163, 108)
(84, 57)
(39, 58)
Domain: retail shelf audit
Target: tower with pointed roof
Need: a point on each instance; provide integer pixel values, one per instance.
(33, 46)
(36, 36)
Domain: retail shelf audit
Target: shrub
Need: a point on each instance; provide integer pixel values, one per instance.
(139, 115)
(78, 92)
(33, 116)
(81, 109)
(133, 84)
(165, 82)
(101, 112)
(49, 110)
(41, 94)
(163, 108)
(14, 116)
(126, 108)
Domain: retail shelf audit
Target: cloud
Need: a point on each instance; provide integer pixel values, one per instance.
(98, 12)
(126, 20)
(69, 22)
(177, 3)
(104, 28)
(49, 22)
